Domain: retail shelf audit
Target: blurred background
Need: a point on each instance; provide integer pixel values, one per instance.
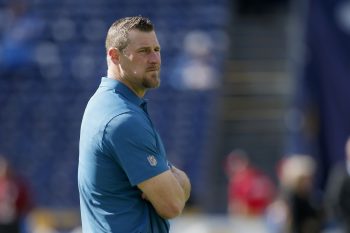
(254, 105)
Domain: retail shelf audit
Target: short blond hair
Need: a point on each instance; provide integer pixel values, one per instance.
(295, 167)
(117, 35)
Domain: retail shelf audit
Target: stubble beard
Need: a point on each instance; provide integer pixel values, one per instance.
(151, 81)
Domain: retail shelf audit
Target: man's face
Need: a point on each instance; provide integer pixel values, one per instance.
(140, 61)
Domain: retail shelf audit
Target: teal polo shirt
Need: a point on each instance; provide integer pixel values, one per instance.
(119, 148)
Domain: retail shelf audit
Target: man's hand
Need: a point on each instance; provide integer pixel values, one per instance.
(183, 180)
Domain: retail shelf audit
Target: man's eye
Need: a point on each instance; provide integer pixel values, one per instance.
(144, 50)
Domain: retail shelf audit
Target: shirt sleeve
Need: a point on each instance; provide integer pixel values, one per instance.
(133, 143)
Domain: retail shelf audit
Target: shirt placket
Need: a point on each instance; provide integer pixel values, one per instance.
(143, 105)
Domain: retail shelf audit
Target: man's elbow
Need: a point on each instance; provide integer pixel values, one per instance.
(172, 210)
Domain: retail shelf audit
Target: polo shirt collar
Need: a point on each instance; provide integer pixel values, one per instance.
(122, 89)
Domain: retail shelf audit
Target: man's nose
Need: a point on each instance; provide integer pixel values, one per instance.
(154, 57)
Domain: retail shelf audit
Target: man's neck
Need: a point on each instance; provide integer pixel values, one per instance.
(138, 91)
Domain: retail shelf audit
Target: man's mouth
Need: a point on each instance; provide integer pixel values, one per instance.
(153, 69)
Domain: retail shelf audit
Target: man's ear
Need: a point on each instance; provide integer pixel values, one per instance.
(113, 54)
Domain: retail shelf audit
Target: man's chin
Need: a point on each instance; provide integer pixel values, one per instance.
(154, 83)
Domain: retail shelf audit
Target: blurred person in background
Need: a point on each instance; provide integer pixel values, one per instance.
(250, 191)
(294, 209)
(337, 197)
(126, 183)
(15, 200)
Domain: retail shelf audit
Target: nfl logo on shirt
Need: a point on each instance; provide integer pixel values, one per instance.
(152, 160)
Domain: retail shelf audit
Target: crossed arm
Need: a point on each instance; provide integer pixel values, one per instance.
(168, 192)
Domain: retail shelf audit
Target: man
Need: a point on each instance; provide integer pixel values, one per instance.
(126, 184)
